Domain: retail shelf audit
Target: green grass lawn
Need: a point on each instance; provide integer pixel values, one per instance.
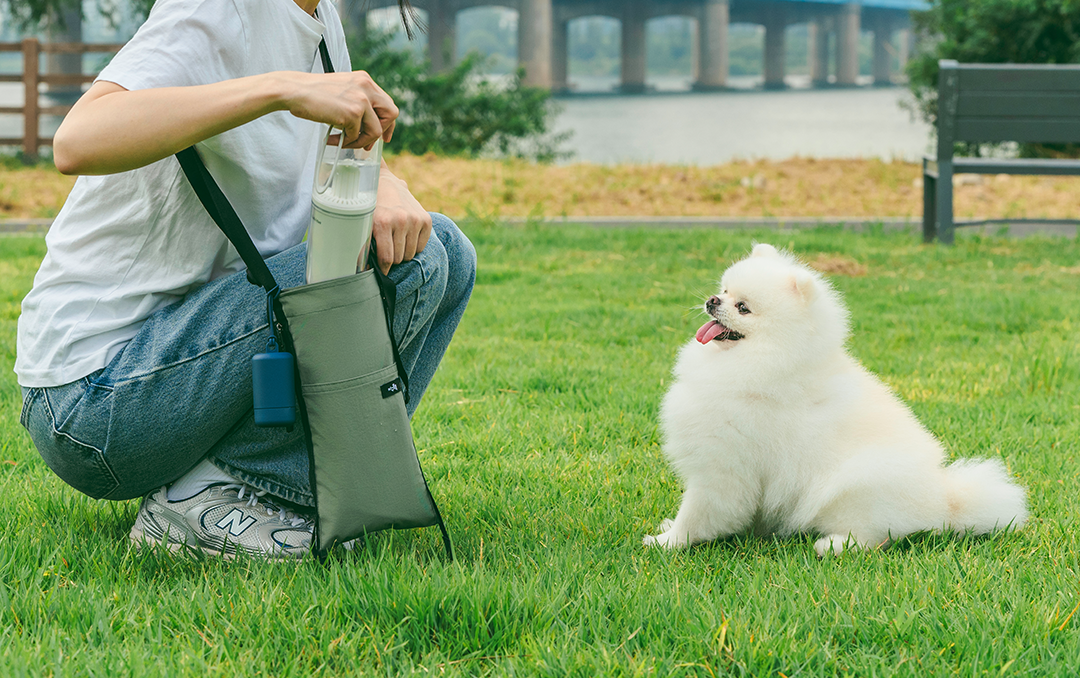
(539, 439)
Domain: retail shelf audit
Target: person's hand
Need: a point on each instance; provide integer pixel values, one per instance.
(401, 226)
(349, 101)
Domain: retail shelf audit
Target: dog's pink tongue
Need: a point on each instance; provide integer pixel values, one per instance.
(709, 331)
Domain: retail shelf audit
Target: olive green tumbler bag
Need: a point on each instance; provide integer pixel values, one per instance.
(350, 385)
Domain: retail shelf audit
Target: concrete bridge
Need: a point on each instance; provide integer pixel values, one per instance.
(543, 34)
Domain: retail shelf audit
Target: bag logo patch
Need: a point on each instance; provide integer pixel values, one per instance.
(393, 388)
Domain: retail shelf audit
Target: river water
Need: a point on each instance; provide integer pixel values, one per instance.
(699, 128)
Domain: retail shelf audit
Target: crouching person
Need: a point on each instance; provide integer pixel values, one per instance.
(135, 343)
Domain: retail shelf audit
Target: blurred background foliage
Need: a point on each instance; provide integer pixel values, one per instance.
(993, 31)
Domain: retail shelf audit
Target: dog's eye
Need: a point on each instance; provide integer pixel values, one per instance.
(742, 307)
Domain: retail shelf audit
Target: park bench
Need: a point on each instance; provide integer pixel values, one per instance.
(992, 103)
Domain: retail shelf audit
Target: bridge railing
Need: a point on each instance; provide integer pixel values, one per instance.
(31, 78)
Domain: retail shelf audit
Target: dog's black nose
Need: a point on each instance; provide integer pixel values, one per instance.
(712, 302)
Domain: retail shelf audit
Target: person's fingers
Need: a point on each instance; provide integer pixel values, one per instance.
(384, 107)
(382, 102)
(370, 130)
(411, 237)
(384, 244)
(352, 113)
(399, 243)
(351, 130)
(424, 235)
(373, 106)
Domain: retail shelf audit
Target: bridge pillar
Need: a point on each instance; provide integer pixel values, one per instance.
(534, 41)
(848, 45)
(774, 50)
(632, 51)
(560, 47)
(695, 54)
(712, 42)
(818, 51)
(904, 47)
(883, 51)
(441, 31)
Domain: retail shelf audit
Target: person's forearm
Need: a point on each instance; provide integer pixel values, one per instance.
(121, 130)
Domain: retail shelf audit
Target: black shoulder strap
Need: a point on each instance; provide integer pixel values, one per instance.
(327, 65)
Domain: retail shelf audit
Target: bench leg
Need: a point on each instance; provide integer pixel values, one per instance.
(944, 195)
(929, 208)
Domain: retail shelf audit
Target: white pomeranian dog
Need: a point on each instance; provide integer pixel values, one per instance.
(775, 429)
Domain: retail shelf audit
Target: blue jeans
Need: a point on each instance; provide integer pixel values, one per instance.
(180, 391)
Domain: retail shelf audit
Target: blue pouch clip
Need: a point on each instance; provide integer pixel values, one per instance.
(273, 379)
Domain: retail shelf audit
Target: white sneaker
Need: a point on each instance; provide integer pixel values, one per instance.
(223, 520)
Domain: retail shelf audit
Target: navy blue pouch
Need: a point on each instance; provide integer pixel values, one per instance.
(274, 388)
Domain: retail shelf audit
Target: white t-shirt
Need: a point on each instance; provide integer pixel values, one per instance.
(126, 245)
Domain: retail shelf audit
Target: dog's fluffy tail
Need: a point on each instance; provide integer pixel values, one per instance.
(982, 497)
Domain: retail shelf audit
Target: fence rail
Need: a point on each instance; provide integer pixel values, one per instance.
(32, 78)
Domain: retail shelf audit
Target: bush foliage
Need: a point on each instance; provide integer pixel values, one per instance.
(993, 31)
(459, 112)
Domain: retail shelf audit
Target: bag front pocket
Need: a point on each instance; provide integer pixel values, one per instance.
(338, 328)
(366, 470)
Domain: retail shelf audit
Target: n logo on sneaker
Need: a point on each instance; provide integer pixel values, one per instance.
(235, 522)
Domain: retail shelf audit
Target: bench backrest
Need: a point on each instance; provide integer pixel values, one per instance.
(1007, 102)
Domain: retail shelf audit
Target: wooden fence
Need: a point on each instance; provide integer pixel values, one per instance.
(31, 77)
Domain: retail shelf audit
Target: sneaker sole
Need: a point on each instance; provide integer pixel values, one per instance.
(139, 541)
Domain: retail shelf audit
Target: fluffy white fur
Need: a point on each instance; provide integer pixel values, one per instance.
(782, 431)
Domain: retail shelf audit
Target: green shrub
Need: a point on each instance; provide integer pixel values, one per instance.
(459, 112)
(993, 31)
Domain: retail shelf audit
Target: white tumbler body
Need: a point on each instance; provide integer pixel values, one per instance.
(337, 244)
(342, 209)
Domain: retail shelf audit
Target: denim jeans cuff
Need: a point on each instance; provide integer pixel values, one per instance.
(289, 494)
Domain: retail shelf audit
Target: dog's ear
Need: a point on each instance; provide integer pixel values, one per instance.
(804, 285)
(764, 250)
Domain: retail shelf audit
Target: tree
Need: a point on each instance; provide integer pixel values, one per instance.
(459, 112)
(993, 31)
(30, 15)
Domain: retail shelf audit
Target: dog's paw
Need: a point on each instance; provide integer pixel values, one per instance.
(831, 544)
(835, 544)
(662, 539)
(666, 540)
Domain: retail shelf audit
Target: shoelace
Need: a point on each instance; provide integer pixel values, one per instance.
(293, 519)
